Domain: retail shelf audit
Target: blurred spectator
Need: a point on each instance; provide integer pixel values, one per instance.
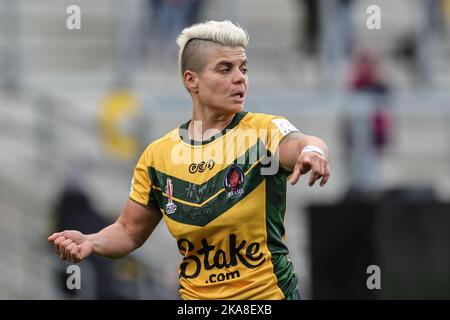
(168, 18)
(310, 28)
(194, 10)
(327, 34)
(334, 15)
(73, 210)
(365, 74)
(367, 125)
(345, 38)
(422, 47)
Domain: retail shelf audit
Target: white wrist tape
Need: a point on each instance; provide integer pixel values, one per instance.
(311, 148)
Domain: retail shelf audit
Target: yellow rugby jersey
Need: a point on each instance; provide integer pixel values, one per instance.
(224, 202)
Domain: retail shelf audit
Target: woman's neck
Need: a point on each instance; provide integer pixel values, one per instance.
(205, 124)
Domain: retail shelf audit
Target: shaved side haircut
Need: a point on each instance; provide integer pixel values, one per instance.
(195, 40)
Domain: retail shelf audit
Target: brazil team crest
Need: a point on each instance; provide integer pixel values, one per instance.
(170, 206)
(234, 181)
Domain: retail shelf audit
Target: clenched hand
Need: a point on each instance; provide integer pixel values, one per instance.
(71, 245)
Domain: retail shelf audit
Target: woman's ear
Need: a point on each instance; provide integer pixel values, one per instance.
(191, 81)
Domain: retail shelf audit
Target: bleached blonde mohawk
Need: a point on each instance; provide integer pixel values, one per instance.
(224, 32)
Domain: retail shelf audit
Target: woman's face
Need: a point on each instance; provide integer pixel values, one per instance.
(223, 82)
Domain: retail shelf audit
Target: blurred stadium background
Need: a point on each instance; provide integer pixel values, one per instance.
(78, 106)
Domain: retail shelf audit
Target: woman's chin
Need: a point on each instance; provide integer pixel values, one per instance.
(231, 109)
(237, 107)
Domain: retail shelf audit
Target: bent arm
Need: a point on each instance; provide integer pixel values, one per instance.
(294, 160)
(292, 145)
(129, 232)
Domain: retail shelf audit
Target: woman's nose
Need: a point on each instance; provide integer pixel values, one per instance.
(239, 77)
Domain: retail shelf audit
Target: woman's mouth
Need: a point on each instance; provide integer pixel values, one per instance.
(238, 96)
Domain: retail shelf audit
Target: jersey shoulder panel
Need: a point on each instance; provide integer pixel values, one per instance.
(272, 129)
(160, 145)
(258, 120)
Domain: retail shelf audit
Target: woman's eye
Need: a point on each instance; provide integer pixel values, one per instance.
(224, 70)
(244, 70)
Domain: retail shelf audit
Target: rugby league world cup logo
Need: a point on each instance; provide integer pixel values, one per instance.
(170, 206)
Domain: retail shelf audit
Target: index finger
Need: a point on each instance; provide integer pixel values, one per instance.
(55, 236)
(296, 174)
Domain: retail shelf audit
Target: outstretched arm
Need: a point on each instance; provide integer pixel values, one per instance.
(129, 232)
(298, 160)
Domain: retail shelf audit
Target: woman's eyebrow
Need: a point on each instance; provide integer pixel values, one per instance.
(230, 63)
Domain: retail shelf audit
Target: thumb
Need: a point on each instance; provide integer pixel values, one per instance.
(55, 236)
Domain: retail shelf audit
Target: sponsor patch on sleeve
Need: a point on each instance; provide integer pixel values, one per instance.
(284, 126)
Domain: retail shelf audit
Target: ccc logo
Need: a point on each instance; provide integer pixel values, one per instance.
(202, 166)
